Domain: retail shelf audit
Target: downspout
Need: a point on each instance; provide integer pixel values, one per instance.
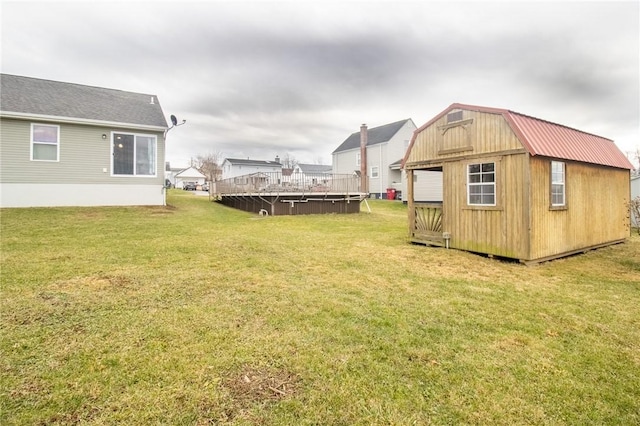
(380, 169)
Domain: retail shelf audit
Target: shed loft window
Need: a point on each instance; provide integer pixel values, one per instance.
(557, 184)
(481, 184)
(454, 116)
(134, 155)
(45, 142)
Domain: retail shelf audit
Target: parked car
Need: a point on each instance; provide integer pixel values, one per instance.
(189, 186)
(205, 187)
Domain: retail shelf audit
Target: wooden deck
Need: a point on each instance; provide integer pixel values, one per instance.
(278, 194)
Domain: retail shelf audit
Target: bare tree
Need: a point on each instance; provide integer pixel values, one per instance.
(635, 211)
(209, 165)
(634, 157)
(288, 161)
(318, 160)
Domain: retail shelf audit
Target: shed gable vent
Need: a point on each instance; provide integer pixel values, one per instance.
(454, 116)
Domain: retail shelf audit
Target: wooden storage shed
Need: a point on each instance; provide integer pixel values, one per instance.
(516, 186)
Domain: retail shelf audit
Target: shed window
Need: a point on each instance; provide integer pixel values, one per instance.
(134, 155)
(454, 116)
(481, 184)
(557, 184)
(45, 142)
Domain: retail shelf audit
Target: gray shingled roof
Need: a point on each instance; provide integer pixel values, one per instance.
(314, 168)
(33, 96)
(246, 161)
(375, 136)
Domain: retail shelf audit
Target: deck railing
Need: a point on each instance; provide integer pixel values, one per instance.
(277, 182)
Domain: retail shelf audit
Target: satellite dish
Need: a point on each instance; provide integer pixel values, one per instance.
(174, 123)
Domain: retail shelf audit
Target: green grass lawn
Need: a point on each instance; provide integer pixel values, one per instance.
(199, 314)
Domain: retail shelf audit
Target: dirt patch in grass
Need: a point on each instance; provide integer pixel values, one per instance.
(93, 283)
(160, 210)
(251, 385)
(247, 390)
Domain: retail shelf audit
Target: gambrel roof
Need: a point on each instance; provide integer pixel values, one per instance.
(544, 138)
(26, 97)
(375, 136)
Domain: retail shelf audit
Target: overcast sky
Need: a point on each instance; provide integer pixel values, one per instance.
(260, 79)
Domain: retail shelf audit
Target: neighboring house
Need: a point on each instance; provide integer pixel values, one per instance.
(233, 167)
(65, 144)
(190, 174)
(171, 172)
(517, 186)
(312, 169)
(635, 193)
(384, 148)
(312, 174)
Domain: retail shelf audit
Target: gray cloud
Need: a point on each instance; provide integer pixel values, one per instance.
(264, 78)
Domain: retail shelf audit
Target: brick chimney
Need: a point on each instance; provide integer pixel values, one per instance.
(364, 134)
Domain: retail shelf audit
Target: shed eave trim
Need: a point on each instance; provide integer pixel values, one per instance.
(74, 120)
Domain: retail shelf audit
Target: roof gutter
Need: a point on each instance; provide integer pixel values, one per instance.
(74, 120)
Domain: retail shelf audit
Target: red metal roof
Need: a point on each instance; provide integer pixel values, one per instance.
(548, 139)
(554, 140)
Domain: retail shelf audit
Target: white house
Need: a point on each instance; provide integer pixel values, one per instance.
(312, 169)
(65, 144)
(171, 172)
(190, 174)
(233, 167)
(385, 148)
(312, 174)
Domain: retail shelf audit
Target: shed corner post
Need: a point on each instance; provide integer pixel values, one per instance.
(410, 202)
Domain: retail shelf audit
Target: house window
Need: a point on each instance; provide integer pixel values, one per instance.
(134, 155)
(481, 184)
(374, 172)
(557, 184)
(357, 159)
(45, 142)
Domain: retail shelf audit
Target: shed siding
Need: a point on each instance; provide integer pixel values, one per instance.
(482, 132)
(596, 210)
(83, 156)
(499, 230)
